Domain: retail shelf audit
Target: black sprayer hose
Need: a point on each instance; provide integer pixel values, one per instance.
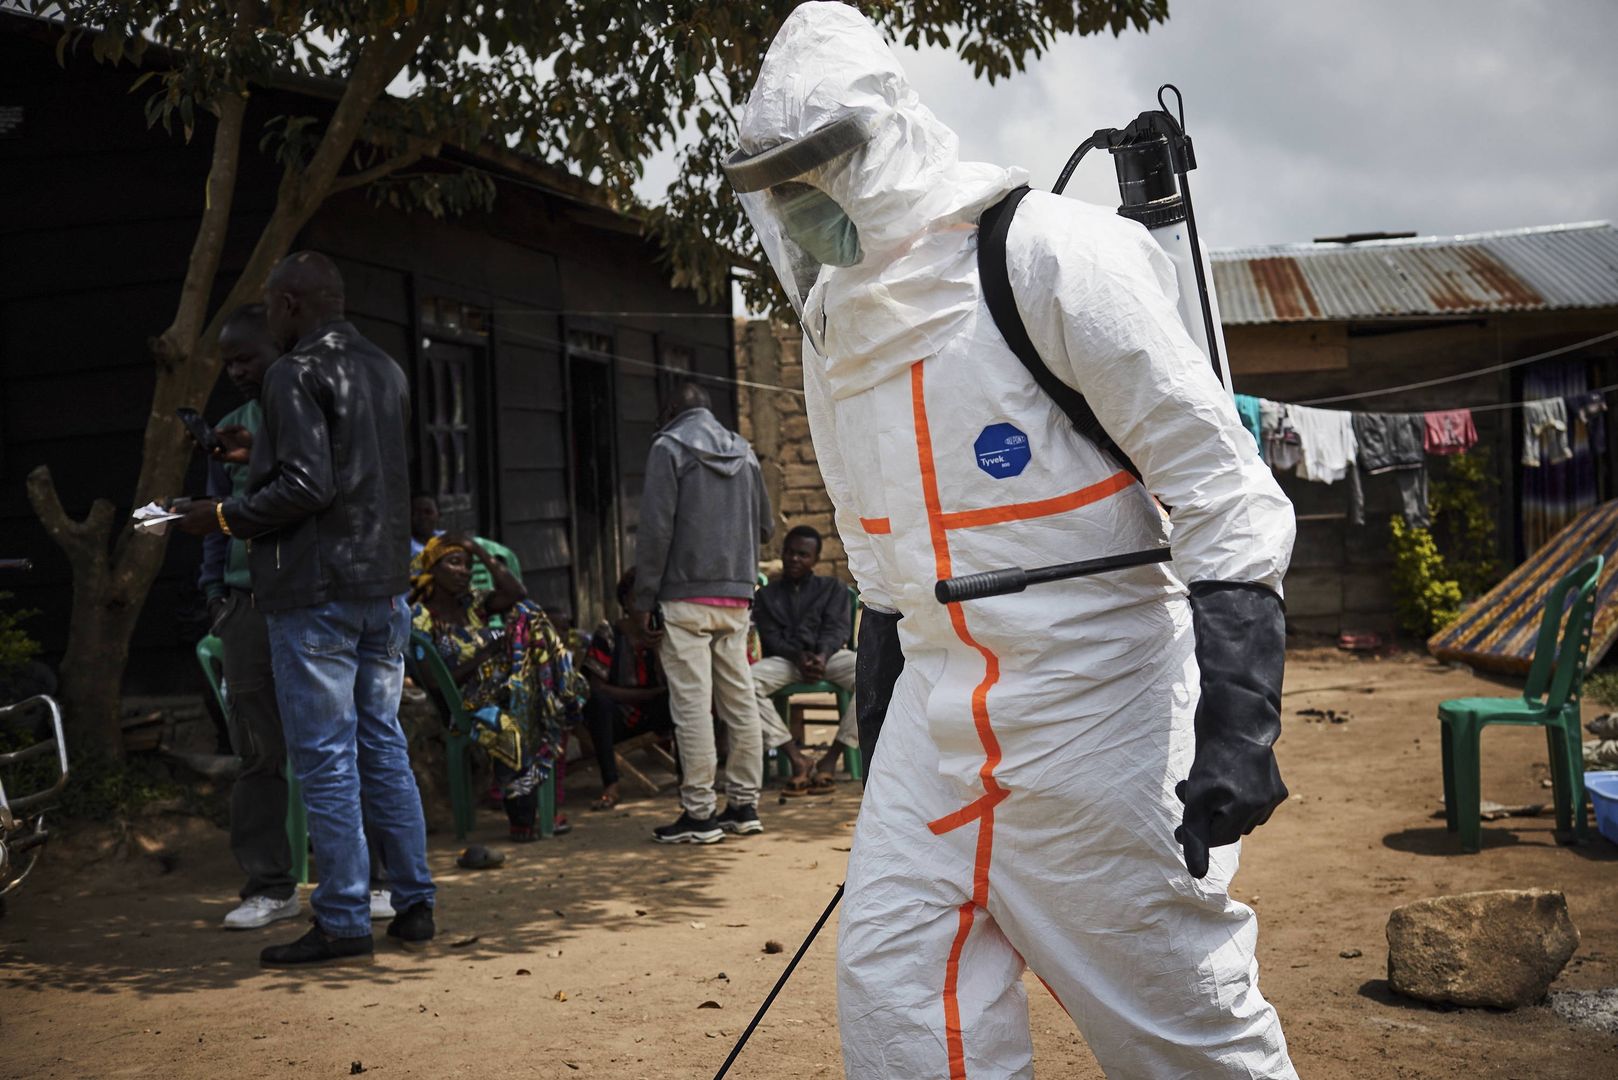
(1073, 163)
(779, 983)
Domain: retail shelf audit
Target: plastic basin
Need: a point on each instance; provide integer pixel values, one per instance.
(1603, 789)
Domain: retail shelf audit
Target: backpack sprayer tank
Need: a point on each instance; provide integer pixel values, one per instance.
(1152, 156)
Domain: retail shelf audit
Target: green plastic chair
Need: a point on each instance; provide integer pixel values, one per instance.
(427, 667)
(211, 655)
(782, 698)
(1550, 700)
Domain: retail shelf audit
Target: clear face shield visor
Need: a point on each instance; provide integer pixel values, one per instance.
(801, 228)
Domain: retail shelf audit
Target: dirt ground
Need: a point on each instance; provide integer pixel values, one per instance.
(593, 954)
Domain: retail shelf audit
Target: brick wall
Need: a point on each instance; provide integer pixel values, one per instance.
(775, 423)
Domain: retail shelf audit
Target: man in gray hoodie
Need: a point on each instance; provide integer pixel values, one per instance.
(703, 513)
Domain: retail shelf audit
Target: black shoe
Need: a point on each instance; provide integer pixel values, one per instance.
(740, 820)
(690, 830)
(413, 927)
(317, 947)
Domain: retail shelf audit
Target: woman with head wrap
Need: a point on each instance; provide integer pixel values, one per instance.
(514, 670)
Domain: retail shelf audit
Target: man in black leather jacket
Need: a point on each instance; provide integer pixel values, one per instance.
(327, 520)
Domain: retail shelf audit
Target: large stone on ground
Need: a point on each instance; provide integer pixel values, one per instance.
(1499, 949)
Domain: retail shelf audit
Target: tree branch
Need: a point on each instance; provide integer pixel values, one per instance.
(379, 61)
(301, 192)
(79, 539)
(419, 148)
(178, 342)
(722, 101)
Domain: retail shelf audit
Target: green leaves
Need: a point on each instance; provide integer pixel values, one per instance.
(710, 54)
(441, 194)
(594, 86)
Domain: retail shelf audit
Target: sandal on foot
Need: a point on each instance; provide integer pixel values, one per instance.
(604, 803)
(797, 787)
(821, 784)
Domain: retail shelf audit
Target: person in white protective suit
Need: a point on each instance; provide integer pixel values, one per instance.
(1062, 773)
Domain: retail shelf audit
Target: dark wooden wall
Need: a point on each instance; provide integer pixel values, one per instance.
(97, 217)
(1341, 573)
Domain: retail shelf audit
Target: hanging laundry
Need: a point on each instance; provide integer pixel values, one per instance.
(1450, 431)
(1325, 441)
(1278, 437)
(1391, 443)
(1250, 409)
(1586, 414)
(1544, 439)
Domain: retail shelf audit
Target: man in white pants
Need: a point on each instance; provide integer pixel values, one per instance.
(804, 621)
(1064, 773)
(702, 515)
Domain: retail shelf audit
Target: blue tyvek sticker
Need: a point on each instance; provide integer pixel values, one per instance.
(1002, 451)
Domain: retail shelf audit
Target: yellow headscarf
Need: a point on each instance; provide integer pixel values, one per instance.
(421, 566)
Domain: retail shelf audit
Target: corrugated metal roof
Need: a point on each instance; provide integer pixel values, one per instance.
(1543, 269)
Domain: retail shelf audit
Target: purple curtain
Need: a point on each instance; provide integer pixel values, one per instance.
(1553, 495)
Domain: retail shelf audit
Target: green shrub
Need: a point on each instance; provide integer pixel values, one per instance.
(1603, 687)
(17, 646)
(1464, 521)
(98, 788)
(1425, 597)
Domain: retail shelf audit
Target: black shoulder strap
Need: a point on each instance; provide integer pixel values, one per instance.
(992, 229)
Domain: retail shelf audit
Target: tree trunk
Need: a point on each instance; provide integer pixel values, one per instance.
(97, 646)
(98, 636)
(111, 579)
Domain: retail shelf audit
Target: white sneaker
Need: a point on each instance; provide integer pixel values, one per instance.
(258, 911)
(381, 904)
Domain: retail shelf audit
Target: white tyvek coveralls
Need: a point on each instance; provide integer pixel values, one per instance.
(1022, 808)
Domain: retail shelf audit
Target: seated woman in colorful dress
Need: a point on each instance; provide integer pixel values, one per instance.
(515, 673)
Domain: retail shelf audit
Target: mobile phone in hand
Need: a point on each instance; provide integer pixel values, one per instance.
(198, 429)
(656, 621)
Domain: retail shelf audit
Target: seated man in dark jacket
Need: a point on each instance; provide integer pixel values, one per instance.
(803, 624)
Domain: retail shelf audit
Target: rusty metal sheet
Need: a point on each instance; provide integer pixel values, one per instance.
(1544, 269)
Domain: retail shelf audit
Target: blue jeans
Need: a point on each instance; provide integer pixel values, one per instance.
(339, 671)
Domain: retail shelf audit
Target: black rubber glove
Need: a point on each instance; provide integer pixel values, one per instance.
(1234, 784)
(877, 665)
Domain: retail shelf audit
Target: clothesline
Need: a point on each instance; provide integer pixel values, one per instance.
(1495, 407)
(535, 339)
(581, 313)
(632, 361)
(1577, 345)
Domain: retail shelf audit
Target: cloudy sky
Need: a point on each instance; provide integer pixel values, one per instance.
(1319, 117)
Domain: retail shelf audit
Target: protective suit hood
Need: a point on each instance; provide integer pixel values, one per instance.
(707, 441)
(911, 198)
